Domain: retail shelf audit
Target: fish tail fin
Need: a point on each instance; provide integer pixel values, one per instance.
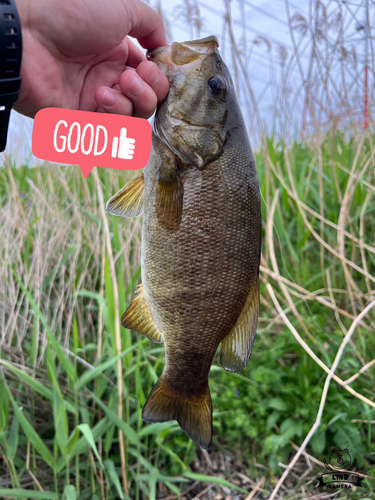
(193, 413)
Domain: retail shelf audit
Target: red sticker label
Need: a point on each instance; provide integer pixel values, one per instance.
(91, 139)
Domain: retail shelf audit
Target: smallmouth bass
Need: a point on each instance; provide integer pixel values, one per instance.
(201, 236)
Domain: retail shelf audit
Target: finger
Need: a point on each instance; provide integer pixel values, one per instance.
(155, 78)
(135, 55)
(146, 25)
(139, 92)
(113, 101)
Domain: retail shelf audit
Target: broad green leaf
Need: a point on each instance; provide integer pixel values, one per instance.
(69, 493)
(86, 431)
(31, 435)
(171, 486)
(13, 437)
(335, 418)
(59, 410)
(121, 424)
(4, 406)
(174, 456)
(155, 428)
(276, 404)
(30, 381)
(81, 446)
(141, 459)
(213, 479)
(61, 420)
(72, 441)
(110, 468)
(91, 374)
(154, 475)
(318, 442)
(28, 494)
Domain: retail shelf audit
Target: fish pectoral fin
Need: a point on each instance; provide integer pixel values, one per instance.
(129, 201)
(193, 413)
(237, 345)
(138, 317)
(169, 196)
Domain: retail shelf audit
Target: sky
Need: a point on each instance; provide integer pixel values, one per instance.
(256, 18)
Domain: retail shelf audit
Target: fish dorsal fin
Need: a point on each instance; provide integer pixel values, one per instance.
(237, 345)
(129, 201)
(206, 45)
(181, 54)
(138, 318)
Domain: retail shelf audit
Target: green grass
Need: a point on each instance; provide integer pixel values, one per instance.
(59, 390)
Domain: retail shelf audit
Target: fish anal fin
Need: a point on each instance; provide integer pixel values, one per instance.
(193, 413)
(129, 201)
(237, 345)
(169, 197)
(138, 318)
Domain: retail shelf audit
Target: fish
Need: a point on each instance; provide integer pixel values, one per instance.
(201, 235)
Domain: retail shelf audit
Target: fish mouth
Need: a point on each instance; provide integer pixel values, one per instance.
(151, 55)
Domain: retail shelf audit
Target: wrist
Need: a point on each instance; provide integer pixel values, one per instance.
(10, 63)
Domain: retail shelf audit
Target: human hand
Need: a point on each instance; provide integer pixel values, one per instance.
(76, 55)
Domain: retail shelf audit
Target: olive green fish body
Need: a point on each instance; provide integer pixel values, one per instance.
(201, 236)
(197, 278)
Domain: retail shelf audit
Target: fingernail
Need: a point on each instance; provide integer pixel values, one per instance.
(136, 86)
(108, 98)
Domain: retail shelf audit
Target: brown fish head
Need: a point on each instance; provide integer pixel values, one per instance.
(193, 119)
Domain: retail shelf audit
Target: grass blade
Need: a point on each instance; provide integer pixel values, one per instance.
(121, 424)
(86, 431)
(28, 494)
(69, 368)
(31, 435)
(213, 479)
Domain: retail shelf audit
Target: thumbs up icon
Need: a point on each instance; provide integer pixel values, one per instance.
(124, 150)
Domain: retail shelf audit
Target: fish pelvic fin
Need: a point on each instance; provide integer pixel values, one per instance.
(193, 413)
(129, 201)
(237, 345)
(138, 317)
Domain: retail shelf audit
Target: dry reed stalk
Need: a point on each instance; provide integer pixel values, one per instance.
(256, 490)
(361, 235)
(315, 214)
(343, 216)
(321, 206)
(15, 193)
(117, 326)
(356, 375)
(338, 319)
(39, 486)
(307, 295)
(325, 389)
(311, 353)
(311, 229)
(101, 293)
(99, 354)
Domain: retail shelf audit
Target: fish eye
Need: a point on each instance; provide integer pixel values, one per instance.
(216, 85)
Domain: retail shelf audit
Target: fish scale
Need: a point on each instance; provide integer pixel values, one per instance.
(201, 235)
